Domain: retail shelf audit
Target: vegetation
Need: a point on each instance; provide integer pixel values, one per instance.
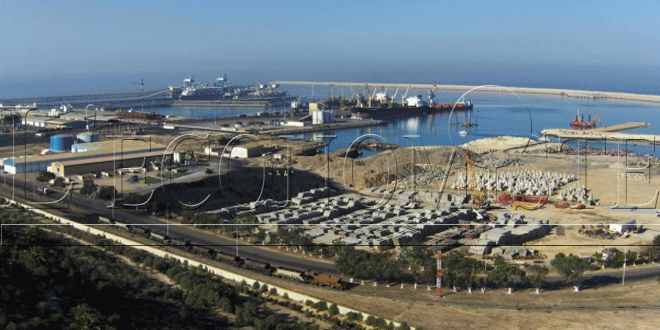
(106, 192)
(81, 280)
(88, 187)
(44, 176)
(58, 182)
(459, 270)
(571, 267)
(503, 274)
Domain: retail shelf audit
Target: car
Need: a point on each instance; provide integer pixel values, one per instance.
(39, 134)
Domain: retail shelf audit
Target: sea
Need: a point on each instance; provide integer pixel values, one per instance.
(495, 114)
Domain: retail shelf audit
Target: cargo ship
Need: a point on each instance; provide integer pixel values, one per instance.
(413, 106)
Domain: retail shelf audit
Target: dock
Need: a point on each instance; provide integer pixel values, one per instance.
(611, 133)
(620, 127)
(147, 99)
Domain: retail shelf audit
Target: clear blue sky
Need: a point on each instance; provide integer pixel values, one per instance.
(55, 37)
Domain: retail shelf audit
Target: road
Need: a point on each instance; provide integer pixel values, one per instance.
(185, 232)
(196, 237)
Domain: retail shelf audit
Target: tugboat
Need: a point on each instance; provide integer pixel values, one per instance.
(579, 123)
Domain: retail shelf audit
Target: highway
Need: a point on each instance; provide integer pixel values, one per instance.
(197, 237)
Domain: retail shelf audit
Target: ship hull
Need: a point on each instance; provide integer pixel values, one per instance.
(406, 111)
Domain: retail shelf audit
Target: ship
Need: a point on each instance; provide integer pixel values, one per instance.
(412, 106)
(579, 123)
(223, 89)
(220, 89)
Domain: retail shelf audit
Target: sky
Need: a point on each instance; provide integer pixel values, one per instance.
(72, 37)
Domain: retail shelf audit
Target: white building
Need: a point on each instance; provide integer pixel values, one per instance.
(323, 117)
(622, 226)
(247, 150)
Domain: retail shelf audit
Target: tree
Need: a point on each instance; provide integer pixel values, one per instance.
(537, 276)
(134, 198)
(88, 187)
(459, 270)
(85, 317)
(333, 310)
(58, 182)
(571, 267)
(106, 192)
(504, 274)
(45, 176)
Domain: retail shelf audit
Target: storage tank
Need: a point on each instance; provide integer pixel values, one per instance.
(61, 142)
(88, 137)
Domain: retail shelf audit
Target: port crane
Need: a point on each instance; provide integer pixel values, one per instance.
(141, 83)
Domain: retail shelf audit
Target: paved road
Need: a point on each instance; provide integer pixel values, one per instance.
(185, 232)
(633, 273)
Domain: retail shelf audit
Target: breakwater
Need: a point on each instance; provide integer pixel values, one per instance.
(486, 88)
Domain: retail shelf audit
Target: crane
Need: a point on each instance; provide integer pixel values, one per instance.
(432, 94)
(403, 98)
(141, 83)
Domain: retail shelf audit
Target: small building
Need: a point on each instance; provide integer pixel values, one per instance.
(88, 137)
(247, 150)
(323, 117)
(622, 226)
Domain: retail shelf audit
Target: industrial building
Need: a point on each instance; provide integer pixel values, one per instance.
(99, 164)
(51, 122)
(247, 150)
(88, 137)
(38, 163)
(323, 117)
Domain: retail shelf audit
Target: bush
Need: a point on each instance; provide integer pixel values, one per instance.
(321, 306)
(273, 291)
(45, 176)
(106, 192)
(353, 316)
(333, 310)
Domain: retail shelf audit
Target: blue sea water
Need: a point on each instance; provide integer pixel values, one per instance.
(496, 113)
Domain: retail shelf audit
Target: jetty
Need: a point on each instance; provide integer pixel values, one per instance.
(611, 133)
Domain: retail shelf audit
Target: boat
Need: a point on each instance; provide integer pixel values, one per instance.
(463, 133)
(580, 124)
(413, 106)
(220, 89)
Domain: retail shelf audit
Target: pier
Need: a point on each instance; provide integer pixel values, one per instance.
(610, 133)
(148, 99)
(489, 88)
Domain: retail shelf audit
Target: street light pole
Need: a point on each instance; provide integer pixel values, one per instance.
(327, 157)
(86, 117)
(167, 215)
(412, 158)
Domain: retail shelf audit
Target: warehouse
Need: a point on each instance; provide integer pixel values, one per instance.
(99, 164)
(247, 150)
(38, 163)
